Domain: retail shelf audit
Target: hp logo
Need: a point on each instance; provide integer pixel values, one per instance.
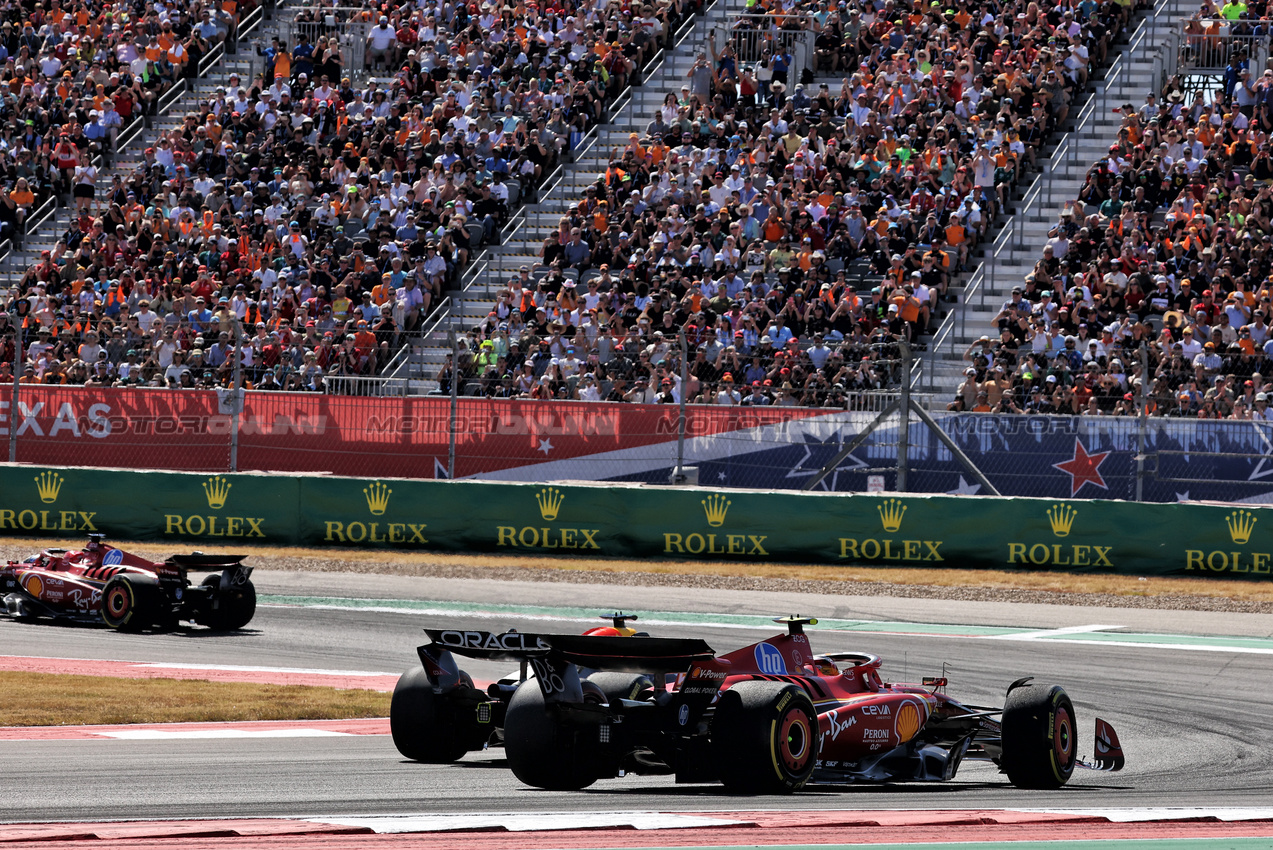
(113, 557)
(683, 716)
(769, 659)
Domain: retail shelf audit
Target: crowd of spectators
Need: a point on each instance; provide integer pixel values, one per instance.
(74, 76)
(794, 235)
(319, 218)
(1154, 291)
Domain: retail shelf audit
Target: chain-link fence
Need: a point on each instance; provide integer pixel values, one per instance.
(762, 446)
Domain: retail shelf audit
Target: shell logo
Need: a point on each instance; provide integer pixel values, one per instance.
(34, 585)
(908, 722)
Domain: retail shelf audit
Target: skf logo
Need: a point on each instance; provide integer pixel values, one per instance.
(891, 513)
(888, 549)
(1241, 524)
(377, 498)
(549, 500)
(217, 490)
(48, 485)
(716, 506)
(1061, 518)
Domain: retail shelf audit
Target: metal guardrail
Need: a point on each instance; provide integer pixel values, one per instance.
(753, 35)
(365, 386)
(1209, 43)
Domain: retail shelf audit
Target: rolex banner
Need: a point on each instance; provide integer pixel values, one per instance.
(225, 512)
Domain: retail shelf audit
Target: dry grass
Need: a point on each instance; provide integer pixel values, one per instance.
(46, 699)
(397, 562)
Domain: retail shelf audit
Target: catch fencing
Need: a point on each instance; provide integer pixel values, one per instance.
(771, 447)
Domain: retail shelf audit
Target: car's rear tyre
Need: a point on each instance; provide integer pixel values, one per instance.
(544, 752)
(1040, 738)
(617, 686)
(428, 727)
(764, 738)
(235, 607)
(131, 602)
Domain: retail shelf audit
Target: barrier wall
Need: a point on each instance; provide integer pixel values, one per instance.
(221, 512)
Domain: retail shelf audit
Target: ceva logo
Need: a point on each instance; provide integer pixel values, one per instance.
(769, 659)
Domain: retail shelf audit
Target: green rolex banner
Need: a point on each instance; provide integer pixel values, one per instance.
(223, 511)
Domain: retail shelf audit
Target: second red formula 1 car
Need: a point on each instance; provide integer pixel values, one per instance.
(767, 718)
(102, 584)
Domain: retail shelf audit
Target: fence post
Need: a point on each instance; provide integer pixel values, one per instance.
(13, 402)
(236, 395)
(904, 427)
(455, 395)
(680, 419)
(1142, 424)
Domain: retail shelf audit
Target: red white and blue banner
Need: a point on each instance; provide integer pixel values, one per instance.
(761, 447)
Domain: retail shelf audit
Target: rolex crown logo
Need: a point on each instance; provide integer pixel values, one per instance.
(217, 490)
(48, 484)
(1061, 517)
(716, 506)
(891, 513)
(1241, 524)
(377, 497)
(550, 499)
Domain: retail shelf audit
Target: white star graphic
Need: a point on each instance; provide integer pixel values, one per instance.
(964, 489)
(721, 476)
(849, 464)
(545, 446)
(1182, 497)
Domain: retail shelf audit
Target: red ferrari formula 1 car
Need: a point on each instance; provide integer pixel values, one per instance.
(100, 583)
(764, 719)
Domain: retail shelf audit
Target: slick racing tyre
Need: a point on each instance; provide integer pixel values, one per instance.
(235, 607)
(544, 752)
(764, 738)
(1039, 737)
(131, 602)
(428, 727)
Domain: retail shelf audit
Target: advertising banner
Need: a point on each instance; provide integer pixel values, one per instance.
(770, 448)
(221, 511)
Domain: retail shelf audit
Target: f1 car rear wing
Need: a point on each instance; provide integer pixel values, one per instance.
(600, 652)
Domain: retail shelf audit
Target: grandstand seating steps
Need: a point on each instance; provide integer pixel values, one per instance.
(945, 368)
(1066, 179)
(125, 161)
(522, 249)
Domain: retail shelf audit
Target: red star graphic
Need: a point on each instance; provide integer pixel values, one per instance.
(1083, 468)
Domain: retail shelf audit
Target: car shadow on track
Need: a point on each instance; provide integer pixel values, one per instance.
(686, 791)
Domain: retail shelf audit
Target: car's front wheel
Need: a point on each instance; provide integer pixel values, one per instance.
(1039, 737)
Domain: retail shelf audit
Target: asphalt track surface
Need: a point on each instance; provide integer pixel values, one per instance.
(1194, 724)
